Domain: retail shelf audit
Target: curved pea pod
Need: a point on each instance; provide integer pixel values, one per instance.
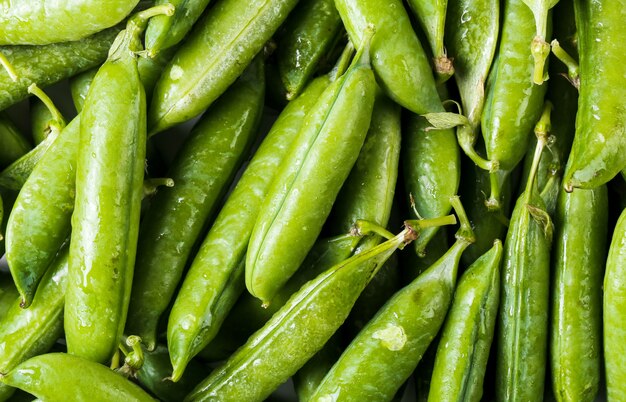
(46, 65)
(40, 120)
(306, 37)
(297, 331)
(79, 87)
(513, 102)
(28, 332)
(202, 172)
(467, 334)
(599, 148)
(232, 30)
(472, 28)
(164, 32)
(523, 319)
(103, 244)
(431, 15)
(41, 22)
(309, 179)
(88, 381)
(385, 353)
(432, 169)
(398, 59)
(613, 312)
(197, 312)
(40, 219)
(248, 315)
(13, 144)
(155, 371)
(578, 261)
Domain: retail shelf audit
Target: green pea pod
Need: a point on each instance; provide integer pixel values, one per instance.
(176, 218)
(578, 260)
(431, 15)
(13, 144)
(599, 148)
(164, 32)
(613, 313)
(523, 320)
(309, 179)
(40, 120)
(46, 65)
(297, 331)
(103, 245)
(467, 334)
(385, 353)
(539, 48)
(79, 87)
(248, 315)
(398, 59)
(32, 331)
(222, 253)
(432, 168)
(307, 35)
(155, 371)
(40, 219)
(88, 381)
(472, 28)
(513, 102)
(233, 33)
(42, 23)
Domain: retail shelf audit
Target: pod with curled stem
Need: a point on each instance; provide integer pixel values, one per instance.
(539, 48)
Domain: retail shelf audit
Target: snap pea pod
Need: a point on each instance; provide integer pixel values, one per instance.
(297, 331)
(156, 369)
(513, 102)
(28, 332)
(523, 319)
(222, 252)
(41, 22)
(431, 15)
(309, 178)
(13, 144)
(307, 35)
(539, 47)
(472, 28)
(465, 342)
(40, 119)
(599, 148)
(232, 33)
(79, 87)
(308, 378)
(398, 59)
(46, 65)
(248, 315)
(578, 260)
(432, 168)
(164, 32)
(103, 244)
(40, 218)
(88, 381)
(385, 353)
(176, 217)
(613, 313)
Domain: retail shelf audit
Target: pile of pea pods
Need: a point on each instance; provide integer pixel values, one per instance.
(314, 200)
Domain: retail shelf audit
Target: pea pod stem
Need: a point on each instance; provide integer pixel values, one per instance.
(573, 70)
(8, 67)
(151, 185)
(542, 129)
(56, 115)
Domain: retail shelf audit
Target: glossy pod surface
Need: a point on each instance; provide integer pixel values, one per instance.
(46, 65)
(202, 171)
(309, 179)
(578, 260)
(105, 221)
(40, 22)
(217, 269)
(232, 33)
(599, 148)
(88, 381)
